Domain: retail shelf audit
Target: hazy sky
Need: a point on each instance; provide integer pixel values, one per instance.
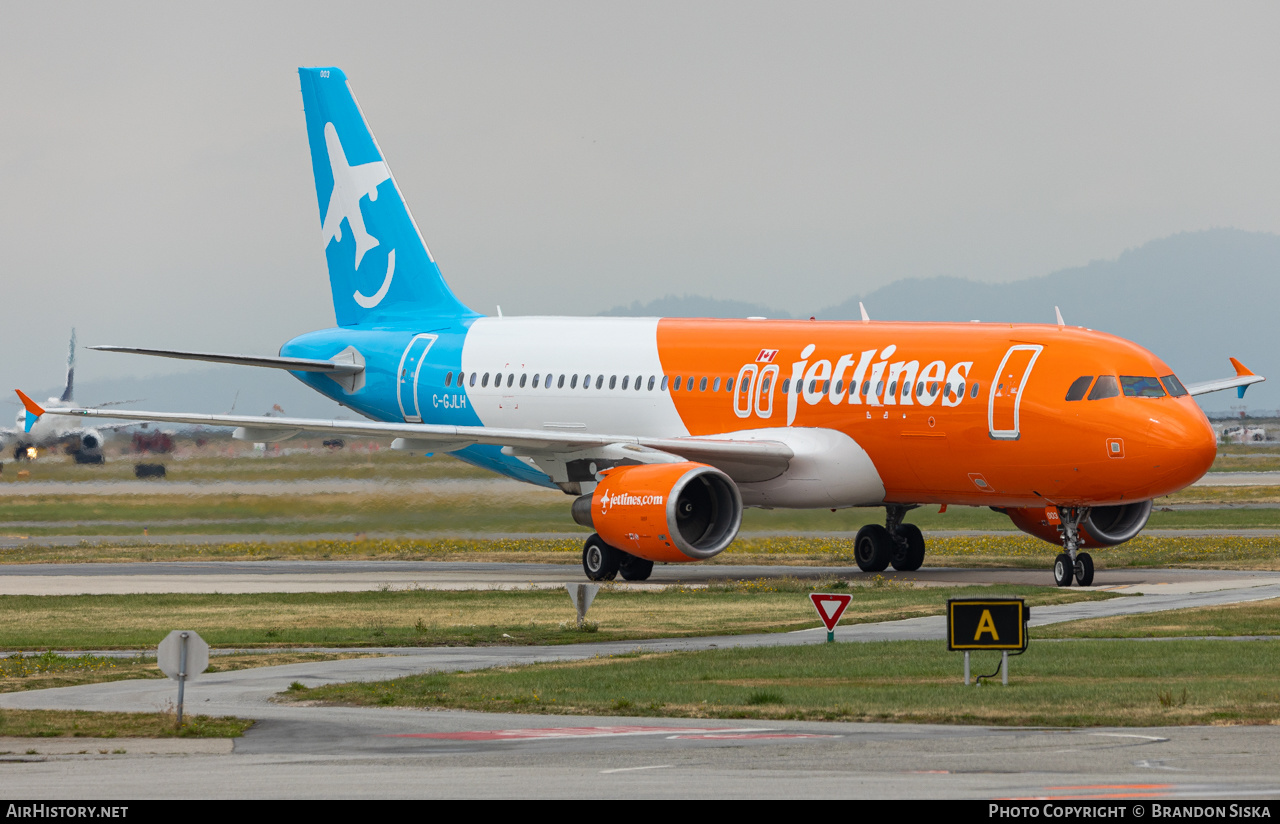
(569, 157)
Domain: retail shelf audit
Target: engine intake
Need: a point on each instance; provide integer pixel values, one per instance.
(674, 512)
(1102, 526)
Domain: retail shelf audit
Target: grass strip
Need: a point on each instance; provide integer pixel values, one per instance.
(1086, 683)
(84, 724)
(437, 617)
(1014, 550)
(1251, 618)
(49, 669)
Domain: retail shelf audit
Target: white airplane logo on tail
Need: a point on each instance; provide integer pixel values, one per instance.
(350, 185)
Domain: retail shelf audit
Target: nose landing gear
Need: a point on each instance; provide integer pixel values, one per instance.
(1072, 563)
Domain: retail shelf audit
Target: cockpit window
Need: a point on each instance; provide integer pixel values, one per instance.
(1136, 387)
(1175, 387)
(1106, 387)
(1078, 387)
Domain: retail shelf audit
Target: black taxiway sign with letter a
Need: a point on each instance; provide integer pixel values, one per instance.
(991, 623)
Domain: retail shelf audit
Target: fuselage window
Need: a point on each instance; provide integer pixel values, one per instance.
(613, 382)
(728, 384)
(1079, 387)
(511, 378)
(626, 379)
(573, 381)
(893, 388)
(689, 385)
(702, 386)
(547, 382)
(651, 382)
(906, 390)
(879, 388)
(485, 380)
(1175, 387)
(536, 378)
(715, 387)
(599, 381)
(920, 389)
(448, 380)
(786, 385)
(946, 390)
(560, 383)
(933, 388)
(473, 378)
(497, 379)
(866, 387)
(973, 393)
(522, 380)
(764, 387)
(1106, 387)
(664, 383)
(586, 381)
(839, 386)
(960, 389)
(1141, 387)
(640, 383)
(675, 384)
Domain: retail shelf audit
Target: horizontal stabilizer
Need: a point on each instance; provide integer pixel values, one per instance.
(328, 367)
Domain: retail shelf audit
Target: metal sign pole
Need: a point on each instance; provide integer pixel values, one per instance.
(1004, 668)
(966, 668)
(182, 675)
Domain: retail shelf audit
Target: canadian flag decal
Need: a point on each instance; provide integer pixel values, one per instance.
(766, 355)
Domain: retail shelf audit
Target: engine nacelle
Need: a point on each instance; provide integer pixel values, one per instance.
(1103, 526)
(672, 512)
(90, 440)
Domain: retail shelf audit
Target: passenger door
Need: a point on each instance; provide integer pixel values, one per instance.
(1006, 390)
(407, 376)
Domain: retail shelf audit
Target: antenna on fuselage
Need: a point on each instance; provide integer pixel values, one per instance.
(865, 317)
(1058, 312)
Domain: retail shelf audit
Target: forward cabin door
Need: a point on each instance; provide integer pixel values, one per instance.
(1005, 399)
(415, 354)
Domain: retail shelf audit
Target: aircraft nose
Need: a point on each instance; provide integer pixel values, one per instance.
(1188, 441)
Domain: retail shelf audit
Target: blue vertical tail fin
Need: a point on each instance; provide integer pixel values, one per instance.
(379, 266)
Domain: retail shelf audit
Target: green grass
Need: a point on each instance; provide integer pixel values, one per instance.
(1079, 683)
(1251, 618)
(427, 617)
(82, 724)
(1000, 550)
(46, 670)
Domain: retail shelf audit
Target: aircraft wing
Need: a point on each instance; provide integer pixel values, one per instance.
(738, 458)
(1242, 381)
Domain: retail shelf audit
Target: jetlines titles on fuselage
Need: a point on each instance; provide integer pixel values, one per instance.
(875, 381)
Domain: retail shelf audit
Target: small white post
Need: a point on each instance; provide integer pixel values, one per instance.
(1004, 668)
(966, 668)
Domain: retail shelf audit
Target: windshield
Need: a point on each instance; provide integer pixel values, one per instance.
(1141, 387)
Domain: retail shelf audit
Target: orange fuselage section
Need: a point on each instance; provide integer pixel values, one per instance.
(951, 413)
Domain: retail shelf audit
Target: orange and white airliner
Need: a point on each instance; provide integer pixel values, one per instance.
(664, 429)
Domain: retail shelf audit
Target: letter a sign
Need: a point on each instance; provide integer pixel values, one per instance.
(830, 607)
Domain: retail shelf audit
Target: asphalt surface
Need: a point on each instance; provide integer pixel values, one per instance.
(313, 751)
(352, 576)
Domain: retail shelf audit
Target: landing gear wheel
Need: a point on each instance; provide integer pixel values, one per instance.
(633, 568)
(1063, 570)
(1084, 569)
(873, 548)
(908, 553)
(599, 560)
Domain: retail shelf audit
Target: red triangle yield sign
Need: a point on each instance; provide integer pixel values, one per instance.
(830, 607)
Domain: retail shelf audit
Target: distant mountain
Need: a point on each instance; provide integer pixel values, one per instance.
(1194, 299)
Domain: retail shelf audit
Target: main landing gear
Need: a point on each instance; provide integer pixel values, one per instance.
(602, 562)
(897, 543)
(1072, 563)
